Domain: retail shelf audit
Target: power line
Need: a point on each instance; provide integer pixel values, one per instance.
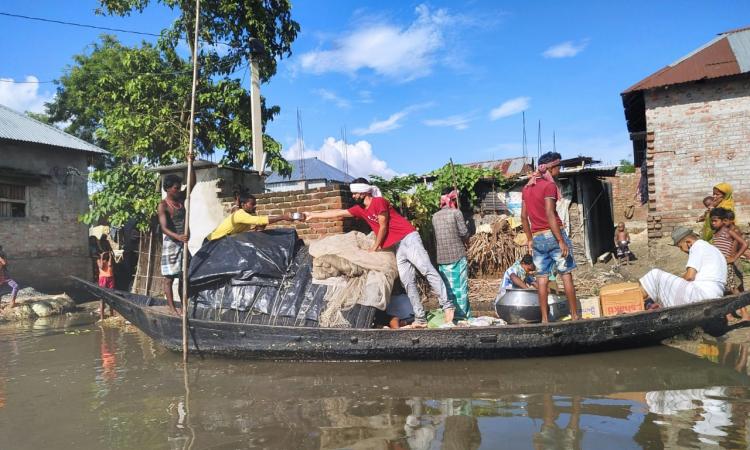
(95, 27)
(74, 24)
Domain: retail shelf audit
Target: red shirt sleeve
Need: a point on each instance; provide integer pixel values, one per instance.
(378, 206)
(550, 191)
(357, 211)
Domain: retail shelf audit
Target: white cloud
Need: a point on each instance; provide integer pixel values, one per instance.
(23, 96)
(567, 49)
(459, 122)
(402, 53)
(391, 123)
(511, 107)
(332, 97)
(362, 162)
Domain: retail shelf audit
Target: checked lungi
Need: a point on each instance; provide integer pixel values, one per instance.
(171, 257)
(456, 277)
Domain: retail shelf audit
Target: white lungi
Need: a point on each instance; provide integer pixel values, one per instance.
(671, 290)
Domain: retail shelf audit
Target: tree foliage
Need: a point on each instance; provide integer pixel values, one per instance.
(626, 166)
(134, 101)
(422, 200)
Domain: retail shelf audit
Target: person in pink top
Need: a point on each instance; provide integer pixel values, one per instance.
(547, 242)
(394, 232)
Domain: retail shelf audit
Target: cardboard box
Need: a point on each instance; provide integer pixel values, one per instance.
(590, 307)
(621, 298)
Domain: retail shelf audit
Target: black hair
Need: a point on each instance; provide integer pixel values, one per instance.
(729, 215)
(171, 180)
(246, 198)
(721, 213)
(549, 157)
(360, 180)
(528, 260)
(447, 190)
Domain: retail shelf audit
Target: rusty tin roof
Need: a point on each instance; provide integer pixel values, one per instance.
(727, 54)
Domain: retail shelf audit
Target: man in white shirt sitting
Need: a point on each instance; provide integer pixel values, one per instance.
(704, 278)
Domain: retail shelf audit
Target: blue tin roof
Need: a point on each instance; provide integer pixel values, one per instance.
(15, 126)
(314, 169)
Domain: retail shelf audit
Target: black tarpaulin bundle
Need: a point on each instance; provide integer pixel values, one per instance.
(262, 277)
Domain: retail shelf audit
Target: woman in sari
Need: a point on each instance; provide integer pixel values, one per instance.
(722, 198)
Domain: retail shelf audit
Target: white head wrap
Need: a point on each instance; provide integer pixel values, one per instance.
(364, 188)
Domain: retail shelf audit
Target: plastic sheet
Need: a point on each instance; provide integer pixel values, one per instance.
(256, 277)
(244, 256)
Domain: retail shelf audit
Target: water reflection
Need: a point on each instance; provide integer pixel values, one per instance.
(91, 386)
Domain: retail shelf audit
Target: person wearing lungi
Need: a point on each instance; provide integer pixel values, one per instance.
(451, 235)
(704, 278)
(171, 213)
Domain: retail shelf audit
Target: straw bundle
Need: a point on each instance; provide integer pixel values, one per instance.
(492, 253)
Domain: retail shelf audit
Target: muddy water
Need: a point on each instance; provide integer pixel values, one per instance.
(73, 384)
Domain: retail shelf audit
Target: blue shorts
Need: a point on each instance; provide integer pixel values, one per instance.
(548, 256)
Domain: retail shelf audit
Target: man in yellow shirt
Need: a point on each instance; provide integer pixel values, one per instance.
(244, 220)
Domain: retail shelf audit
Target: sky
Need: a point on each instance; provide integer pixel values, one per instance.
(413, 83)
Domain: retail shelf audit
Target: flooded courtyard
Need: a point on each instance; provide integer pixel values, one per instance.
(71, 383)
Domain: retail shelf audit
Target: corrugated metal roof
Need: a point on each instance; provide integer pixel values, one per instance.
(315, 169)
(15, 126)
(508, 167)
(726, 55)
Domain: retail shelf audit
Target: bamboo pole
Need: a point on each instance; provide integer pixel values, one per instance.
(455, 184)
(190, 157)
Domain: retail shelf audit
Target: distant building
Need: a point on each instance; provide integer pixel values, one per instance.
(43, 191)
(308, 173)
(690, 125)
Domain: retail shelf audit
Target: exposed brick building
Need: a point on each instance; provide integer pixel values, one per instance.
(690, 124)
(43, 191)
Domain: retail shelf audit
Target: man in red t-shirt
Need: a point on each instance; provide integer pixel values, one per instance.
(547, 242)
(393, 231)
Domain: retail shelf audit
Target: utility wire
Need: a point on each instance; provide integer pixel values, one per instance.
(95, 27)
(74, 24)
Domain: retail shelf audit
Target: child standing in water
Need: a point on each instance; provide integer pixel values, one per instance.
(106, 277)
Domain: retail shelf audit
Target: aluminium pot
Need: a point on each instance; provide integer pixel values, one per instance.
(522, 306)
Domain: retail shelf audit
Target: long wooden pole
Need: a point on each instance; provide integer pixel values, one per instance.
(455, 184)
(190, 157)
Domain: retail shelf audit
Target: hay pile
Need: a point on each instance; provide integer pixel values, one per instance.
(491, 253)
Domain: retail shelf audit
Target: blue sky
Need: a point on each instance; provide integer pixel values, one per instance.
(416, 83)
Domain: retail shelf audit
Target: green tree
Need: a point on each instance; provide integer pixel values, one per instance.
(134, 101)
(626, 166)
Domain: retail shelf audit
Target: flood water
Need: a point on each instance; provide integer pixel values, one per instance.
(69, 383)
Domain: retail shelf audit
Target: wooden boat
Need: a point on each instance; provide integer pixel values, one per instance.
(256, 341)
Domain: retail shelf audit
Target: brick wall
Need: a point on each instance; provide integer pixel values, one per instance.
(698, 135)
(320, 199)
(624, 186)
(49, 244)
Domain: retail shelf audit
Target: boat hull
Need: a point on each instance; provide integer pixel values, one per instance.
(250, 341)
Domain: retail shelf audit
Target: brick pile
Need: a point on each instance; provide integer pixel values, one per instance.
(320, 199)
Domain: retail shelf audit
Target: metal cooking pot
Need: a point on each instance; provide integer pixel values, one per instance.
(522, 306)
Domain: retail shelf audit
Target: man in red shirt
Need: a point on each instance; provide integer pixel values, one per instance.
(393, 231)
(547, 242)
